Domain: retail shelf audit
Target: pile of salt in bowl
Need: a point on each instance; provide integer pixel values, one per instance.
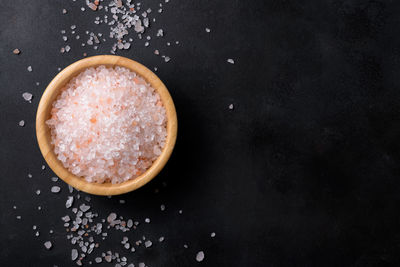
(108, 125)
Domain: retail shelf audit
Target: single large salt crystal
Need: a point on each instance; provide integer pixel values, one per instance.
(108, 125)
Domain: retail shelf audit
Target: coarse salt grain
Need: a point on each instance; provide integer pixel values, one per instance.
(121, 128)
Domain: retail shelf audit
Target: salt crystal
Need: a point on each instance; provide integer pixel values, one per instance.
(48, 245)
(147, 220)
(73, 27)
(19, 217)
(29, 68)
(64, 11)
(156, 52)
(84, 207)
(148, 244)
(54, 179)
(212, 234)
(141, 264)
(38, 192)
(180, 211)
(98, 260)
(27, 96)
(208, 30)
(167, 59)
(55, 189)
(74, 254)
(16, 51)
(200, 256)
(67, 48)
(69, 202)
(162, 207)
(161, 239)
(229, 60)
(231, 106)
(21, 123)
(160, 33)
(29, 175)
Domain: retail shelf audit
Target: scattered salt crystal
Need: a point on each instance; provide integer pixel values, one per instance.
(16, 51)
(21, 123)
(64, 11)
(54, 179)
(200, 256)
(160, 33)
(69, 202)
(48, 245)
(34, 227)
(147, 220)
(161, 239)
(65, 38)
(38, 192)
(229, 60)
(122, 201)
(180, 211)
(212, 234)
(19, 217)
(29, 68)
(29, 175)
(74, 254)
(166, 59)
(15, 207)
(98, 260)
(208, 30)
(148, 244)
(185, 246)
(156, 52)
(37, 233)
(231, 106)
(39, 207)
(55, 189)
(162, 207)
(67, 48)
(141, 264)
(27, 96)
(84, 207)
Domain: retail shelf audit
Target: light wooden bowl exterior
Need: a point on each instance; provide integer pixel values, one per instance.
(44, 136)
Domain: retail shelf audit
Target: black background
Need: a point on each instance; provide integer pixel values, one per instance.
(303, 172)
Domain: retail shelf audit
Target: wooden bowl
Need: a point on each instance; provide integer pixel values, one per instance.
(44, 136)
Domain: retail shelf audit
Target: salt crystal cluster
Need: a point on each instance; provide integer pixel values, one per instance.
(108, 125)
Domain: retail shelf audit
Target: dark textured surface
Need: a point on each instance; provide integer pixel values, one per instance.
(303, 172)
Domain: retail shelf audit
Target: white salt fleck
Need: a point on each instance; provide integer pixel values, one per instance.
(160, 33)
(208, 30)
(180, 211)
(98, 260)
(200, 256)
(212, 234)
(43, 167)
(21, 123)
(27, 96)
(29, 175)
(29, 68)
(65, 38)
(19, 217)
(69, 202)
(229, 60)
(148, 244)
(161, 239)
(84, 207)
(55, 189)
(231, 106)
(54, 179)
(166, 59)
(48, 245)
(162, 207)
(147, 220)
(67, 48)
(38, 192)
(64, 11)
(74, 254)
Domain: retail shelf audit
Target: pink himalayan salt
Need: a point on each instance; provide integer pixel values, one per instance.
(108, 125)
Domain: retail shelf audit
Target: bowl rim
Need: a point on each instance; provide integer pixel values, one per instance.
(43, 131)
